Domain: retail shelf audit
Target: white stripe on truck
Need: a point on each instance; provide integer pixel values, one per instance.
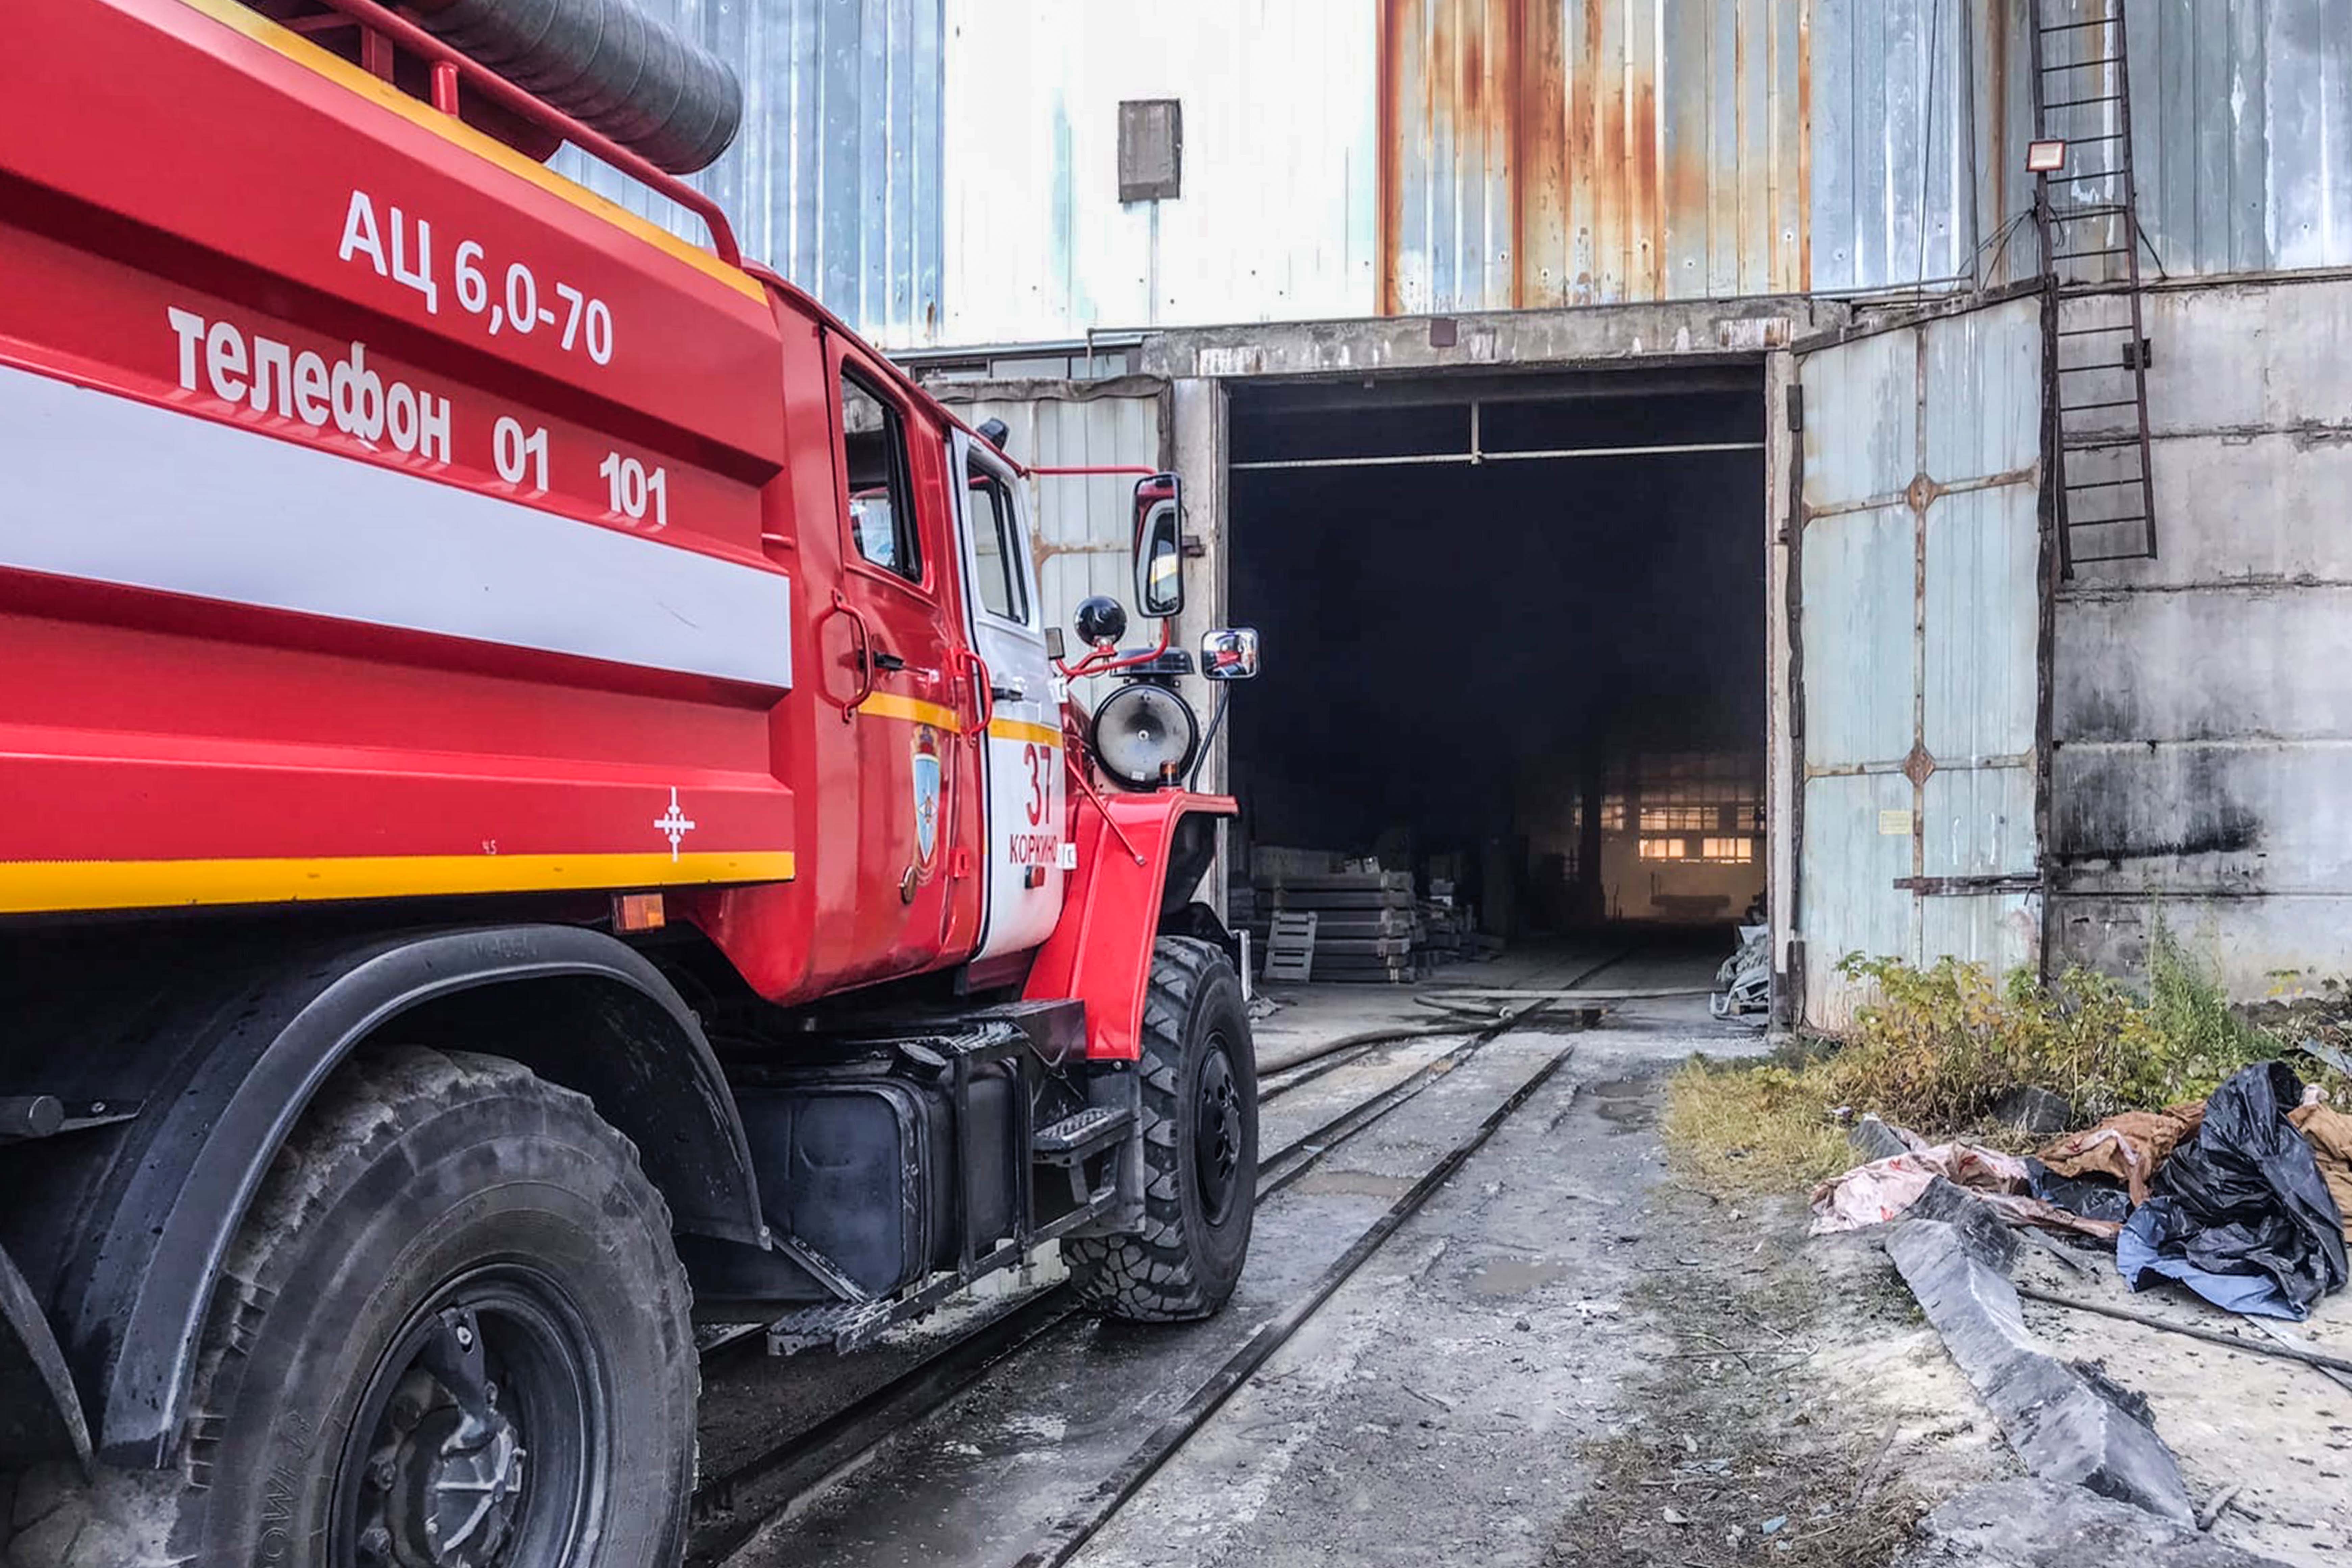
(114, 491)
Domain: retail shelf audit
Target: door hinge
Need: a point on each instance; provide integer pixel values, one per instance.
(1796, 406)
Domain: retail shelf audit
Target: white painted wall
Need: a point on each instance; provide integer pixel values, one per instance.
(1277, 220)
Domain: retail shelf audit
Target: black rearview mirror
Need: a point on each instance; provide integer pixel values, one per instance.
(1158, 547)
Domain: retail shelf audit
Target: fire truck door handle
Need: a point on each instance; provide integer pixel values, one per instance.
(862, 651)
(985, 690)
(878, 660)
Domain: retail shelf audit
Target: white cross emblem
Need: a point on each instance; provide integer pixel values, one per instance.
(673, 822)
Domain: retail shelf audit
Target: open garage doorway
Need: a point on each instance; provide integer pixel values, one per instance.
(1515, 640)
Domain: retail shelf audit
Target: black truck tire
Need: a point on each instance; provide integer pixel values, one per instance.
(443, 1230)
(1200, 1149)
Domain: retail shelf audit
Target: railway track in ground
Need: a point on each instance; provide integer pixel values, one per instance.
(732, 1506)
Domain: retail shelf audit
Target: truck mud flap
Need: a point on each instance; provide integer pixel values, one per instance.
(40, 1412)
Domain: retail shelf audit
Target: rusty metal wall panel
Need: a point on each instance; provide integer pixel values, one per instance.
(835, 178)
(1920, 612)
(1545, 152)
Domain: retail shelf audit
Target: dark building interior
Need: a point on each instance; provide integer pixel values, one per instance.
(1542, 672)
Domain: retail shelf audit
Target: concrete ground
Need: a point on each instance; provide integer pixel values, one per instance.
(1567, 1356)
(2277, 1435)
(1564, 1357)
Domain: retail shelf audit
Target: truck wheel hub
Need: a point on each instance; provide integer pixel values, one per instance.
(1217, 1131)
(480, 1433)
(453, 1505)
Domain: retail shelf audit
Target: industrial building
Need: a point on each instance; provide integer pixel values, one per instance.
(1681, 442)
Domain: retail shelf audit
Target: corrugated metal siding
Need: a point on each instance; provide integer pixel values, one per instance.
(2241, 116)
(1920, 615)
(1544, 152)
(1891, 198)
(1082, 525)
(2241, 127)
(835, 178)
(1275, 220)
(945, 171)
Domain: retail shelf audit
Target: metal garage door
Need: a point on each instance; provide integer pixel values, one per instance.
(1920, 570)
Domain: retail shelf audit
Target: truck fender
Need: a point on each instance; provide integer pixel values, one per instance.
(1139, 857)
(139, 1282)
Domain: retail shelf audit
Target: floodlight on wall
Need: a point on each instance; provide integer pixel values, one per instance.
(2044, 157)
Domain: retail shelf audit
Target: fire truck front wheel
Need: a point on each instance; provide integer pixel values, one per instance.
(453, 1331)
(1200, 1149)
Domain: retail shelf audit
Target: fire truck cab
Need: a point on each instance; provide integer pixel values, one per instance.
(539, 811)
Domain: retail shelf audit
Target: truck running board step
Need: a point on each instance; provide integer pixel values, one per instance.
(1074, 1138)
(848, 1326)
(844, 1325)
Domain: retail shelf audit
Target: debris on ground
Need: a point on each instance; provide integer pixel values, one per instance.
(2126, 1148)
(2064, 1425)
(1882, 1189)
(2240, 1213)
(2329, 1132)
(2034, 1524)
(1743, 984)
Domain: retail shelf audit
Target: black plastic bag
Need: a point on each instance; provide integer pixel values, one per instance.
(2093, 1197)
(2240, 1213)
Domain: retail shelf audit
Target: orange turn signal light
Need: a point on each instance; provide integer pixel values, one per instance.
(638, 911)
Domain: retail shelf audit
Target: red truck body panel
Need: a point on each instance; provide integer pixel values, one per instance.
(320, 578)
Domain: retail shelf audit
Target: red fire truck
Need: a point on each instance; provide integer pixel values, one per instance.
(536, 809)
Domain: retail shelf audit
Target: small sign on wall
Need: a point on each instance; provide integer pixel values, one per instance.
(1894, 825)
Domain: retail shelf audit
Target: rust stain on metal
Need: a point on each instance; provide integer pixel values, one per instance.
(1996, 42)
(1545, 152)
(1804, 225)
(1389, 177)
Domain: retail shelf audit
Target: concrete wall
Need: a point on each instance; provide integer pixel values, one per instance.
(2203, 701)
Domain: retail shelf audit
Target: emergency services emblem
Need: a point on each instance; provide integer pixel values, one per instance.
(927, 792)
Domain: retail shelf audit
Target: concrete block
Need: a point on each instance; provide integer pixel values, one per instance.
(1873, 1140)
(2035, 1523)
(2058, 1424)
(1989, 1238)
(2035, 1111)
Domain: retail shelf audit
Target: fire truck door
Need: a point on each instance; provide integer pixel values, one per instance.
(1023, 753)
(894, 582)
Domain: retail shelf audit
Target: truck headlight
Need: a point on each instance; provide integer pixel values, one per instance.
(1141, 731)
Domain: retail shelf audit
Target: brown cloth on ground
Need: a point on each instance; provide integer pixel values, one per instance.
(2129, 1147)
(2329, 1134)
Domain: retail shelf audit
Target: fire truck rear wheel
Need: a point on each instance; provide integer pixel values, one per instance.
(453, 1331)
(1200, 1149)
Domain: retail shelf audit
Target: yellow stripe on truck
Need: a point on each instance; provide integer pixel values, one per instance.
(1022, 729)
(30, 887)
(232, 14)
(890, 705)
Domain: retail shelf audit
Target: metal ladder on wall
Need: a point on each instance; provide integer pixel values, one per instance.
(2097, 352)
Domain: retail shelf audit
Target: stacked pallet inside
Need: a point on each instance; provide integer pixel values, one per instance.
(1448, 933)
(1368, 925)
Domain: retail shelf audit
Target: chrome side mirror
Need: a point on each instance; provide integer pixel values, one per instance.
(1229, 653)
